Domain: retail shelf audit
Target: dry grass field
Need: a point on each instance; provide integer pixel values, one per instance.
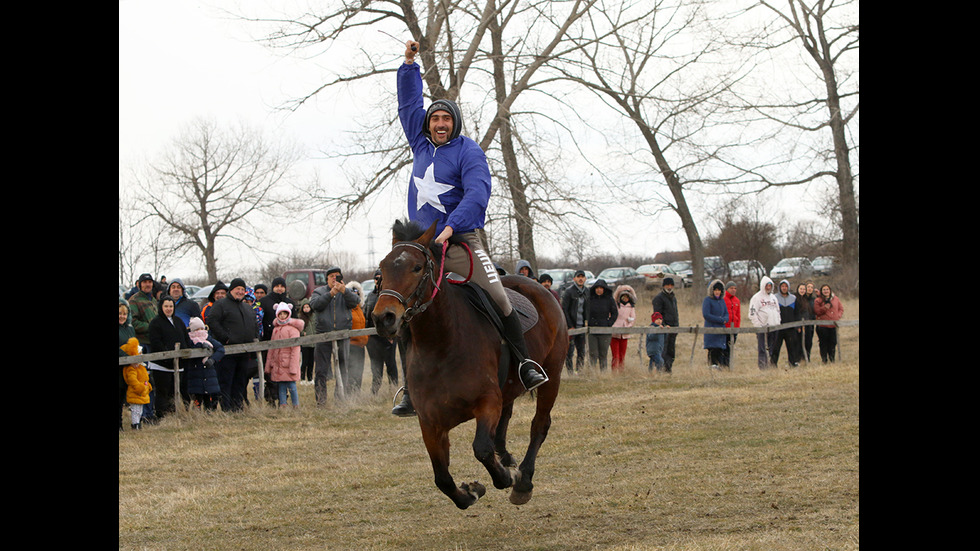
(697, 460)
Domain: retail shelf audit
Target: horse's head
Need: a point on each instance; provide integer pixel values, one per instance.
(404, 273)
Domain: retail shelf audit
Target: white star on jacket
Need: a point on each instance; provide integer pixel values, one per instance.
(428, 190)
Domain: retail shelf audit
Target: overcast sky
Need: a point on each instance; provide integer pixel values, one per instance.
(179, 59)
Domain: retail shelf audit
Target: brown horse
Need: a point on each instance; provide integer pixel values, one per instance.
(452, 363)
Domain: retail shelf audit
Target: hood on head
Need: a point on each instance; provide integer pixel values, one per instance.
(765, 280)
(711, 287)
(624, 289)
(450, 107)
(358, 289)
(789, 287)
(599, 283)
(217, 287)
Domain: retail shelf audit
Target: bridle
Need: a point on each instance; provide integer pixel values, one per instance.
(430, 273)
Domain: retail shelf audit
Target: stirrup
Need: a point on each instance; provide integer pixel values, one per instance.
(406, 407)
(540, 371)
(394, 399)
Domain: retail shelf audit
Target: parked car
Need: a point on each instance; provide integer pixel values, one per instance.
(824, 265)
(715, 268)
(655, 274)
(684, 270)
(796, 266)
(619, 275)
(201, 295)
(746, 274)
(311, 278)
(189, 290)
(368, 286)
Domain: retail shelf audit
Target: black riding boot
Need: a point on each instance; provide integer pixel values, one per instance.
(530, 377)
(404, 408)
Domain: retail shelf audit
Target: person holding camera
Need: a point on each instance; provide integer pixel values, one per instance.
(332, 304)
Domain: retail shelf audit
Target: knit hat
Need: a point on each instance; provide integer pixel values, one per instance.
(278, 281)
(284, 306)
(195, 324)
(668, 281)
(237, 282)
(656, 316)
(335, 269)
(729, 285)
(579, 273)
(449, 107)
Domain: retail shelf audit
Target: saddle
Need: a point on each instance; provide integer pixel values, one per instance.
(527, 314)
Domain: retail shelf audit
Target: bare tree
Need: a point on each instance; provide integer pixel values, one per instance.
(647, 61)
(212, 184)
(453, 54)
(819, 110)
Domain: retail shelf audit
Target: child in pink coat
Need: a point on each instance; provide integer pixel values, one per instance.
(283, 364)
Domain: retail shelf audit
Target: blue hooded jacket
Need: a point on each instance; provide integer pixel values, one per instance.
(454, 177)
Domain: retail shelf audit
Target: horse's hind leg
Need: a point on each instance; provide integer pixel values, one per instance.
(547, 394)
(437, 444)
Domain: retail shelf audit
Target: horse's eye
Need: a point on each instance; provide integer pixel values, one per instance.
(417, 268)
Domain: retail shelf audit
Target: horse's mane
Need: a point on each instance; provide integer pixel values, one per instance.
(410, 230)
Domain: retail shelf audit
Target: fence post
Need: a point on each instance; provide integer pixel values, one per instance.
(840, 355)
(338, 377)
(258, 357)
(695, 345)
(178, 399)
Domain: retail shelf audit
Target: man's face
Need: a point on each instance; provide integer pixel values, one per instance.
(260, 292)
(220, 294)
(238, 293)
(280, 288)
(440, 127)
(546, 283)
(331, 278)
(175, 290)
(579, 280)
(146, 285)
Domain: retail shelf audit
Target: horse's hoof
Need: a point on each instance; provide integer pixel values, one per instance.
(474, 488)
(519, 498)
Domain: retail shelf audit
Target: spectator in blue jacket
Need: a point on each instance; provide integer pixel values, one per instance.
(715, 313)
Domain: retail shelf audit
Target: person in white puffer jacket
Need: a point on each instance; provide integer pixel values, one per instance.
(764, 312)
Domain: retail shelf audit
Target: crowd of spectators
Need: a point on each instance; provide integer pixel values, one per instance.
(157, 316)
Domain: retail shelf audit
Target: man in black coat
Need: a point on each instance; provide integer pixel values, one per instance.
(232, 321)
(666, 303)
(575, 305)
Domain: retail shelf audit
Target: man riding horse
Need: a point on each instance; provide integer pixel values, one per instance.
(450, 186)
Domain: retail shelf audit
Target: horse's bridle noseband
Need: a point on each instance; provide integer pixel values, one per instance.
(412, 311)
(415, 309)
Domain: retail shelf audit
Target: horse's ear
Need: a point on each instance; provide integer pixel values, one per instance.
(426, 238)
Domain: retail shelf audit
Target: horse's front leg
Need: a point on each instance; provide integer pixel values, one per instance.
(547, 393)
(487, 417)
(437, 444)
(500, 437)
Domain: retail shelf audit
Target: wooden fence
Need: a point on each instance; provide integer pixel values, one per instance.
(179, 354)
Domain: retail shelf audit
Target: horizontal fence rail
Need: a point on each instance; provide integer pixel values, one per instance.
(188, 353)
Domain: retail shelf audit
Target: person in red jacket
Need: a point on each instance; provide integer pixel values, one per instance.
(827, 307)
(734, 320)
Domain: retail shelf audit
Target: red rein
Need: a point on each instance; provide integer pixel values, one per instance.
(442, 265)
